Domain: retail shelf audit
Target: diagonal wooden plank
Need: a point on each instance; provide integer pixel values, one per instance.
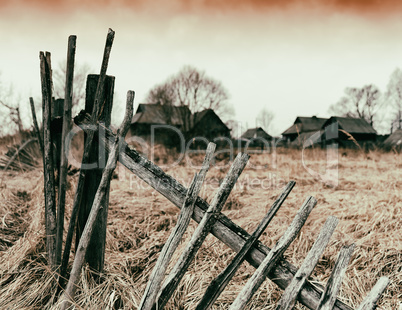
(155, 281)
(370, 302)
(68, 295)
(218, 284)
(274, 255)
(289, 296)
(224, 229)
(85, 157)
(330, 293)
(68, 103)
(202, 230)
(48, 165)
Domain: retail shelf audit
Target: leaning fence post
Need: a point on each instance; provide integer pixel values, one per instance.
(61, 199)
(48, 166)
(101, 193)
(97, 157)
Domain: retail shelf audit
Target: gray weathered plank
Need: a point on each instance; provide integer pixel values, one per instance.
(158, 273)
(48, 167)
(85, 157)
(274, 255)
(331, 290)
(68, 100)
(36, 126)
(218, 284)
(224, 229)
(202, 230)
(289, 296)
(68, 295)
(370, 302)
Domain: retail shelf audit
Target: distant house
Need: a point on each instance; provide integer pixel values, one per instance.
(208, 124)
(152, 121)
(394, 141)
(256, 137)
(168, 124)
(303, 128)
(348, 131)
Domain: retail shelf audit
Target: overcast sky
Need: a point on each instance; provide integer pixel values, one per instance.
(295, 58)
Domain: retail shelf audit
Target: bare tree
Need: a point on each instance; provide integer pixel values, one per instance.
(264, 119)
(359, 103)
(393, 96)
(79, 83)
(192, 88)
(10, 112)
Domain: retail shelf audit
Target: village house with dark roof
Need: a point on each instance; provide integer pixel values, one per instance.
(165, 123)
(256, 137)
(346, 131)
(394, 141)
(349, 132)
(303, 127)
(208, 124)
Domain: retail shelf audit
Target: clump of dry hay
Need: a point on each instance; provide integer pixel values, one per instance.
(368, 202)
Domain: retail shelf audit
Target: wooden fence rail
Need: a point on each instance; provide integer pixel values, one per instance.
(284, 274)
(269, 263)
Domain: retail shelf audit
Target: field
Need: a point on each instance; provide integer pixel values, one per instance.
(367, 201)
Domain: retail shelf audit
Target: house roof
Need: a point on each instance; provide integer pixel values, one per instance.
(305, 124)
(151, 113)
(208, 114)
(198, 116)
(256, 133)
(307, 139)
(395, 139)
(352, 125)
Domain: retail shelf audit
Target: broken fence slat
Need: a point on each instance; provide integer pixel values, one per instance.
(370, 302)
(274, 255)
(48, 166)
(87, 148)
(218, 284)
(68, 296)
(224, 229)
(158, 273)
(202, 230)
(290, 294)
(331, 290)
(35, 123)
(68, 102)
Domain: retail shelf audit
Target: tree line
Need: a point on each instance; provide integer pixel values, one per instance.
(381, 110)
(194, 89)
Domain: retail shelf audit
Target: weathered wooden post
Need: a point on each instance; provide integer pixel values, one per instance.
(56, 127)
(48, 165)
(97, 159)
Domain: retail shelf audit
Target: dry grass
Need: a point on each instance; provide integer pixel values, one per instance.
(368, 202)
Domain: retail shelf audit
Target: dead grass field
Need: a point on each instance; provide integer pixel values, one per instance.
(367, 201)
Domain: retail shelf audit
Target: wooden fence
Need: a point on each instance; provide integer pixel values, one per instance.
(269, 263)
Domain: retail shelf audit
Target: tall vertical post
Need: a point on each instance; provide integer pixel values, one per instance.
(97, 159)
(48, 165)
(56, 127)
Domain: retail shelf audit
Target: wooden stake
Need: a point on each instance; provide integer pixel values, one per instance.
(289, 296)
(48, 168)
(158, 273)
(218, 284)
(87, 149)
(274, 255)
(202, 230)
(370, 302)
(68, 99)
(330, 293)
(35, 123)
(68, 295)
